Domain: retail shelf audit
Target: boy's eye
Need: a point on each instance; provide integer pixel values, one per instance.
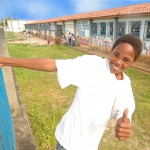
(126, 60)
(116, 54)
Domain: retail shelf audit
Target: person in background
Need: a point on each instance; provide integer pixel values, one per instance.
(103, 91)
(69, 38)
(72, 39)
(49, 40)
(63, 38)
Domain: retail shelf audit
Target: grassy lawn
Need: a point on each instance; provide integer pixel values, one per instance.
(11, 36)
(46, 102)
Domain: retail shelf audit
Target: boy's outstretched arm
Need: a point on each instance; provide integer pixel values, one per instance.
(41, 64)
(123, 127)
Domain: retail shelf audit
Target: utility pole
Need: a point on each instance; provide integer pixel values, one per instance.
(3, 20)
(4, 25)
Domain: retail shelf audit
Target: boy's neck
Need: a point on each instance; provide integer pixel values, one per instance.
(119, 76)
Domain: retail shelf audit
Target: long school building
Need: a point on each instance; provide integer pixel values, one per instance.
(98, 30)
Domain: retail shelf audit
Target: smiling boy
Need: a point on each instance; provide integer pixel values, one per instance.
(101, 86)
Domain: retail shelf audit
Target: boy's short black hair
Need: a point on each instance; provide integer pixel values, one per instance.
(132, 40)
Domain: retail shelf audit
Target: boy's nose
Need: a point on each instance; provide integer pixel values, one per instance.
(118, 62)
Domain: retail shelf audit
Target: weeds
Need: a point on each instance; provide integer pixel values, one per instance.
(46, 102)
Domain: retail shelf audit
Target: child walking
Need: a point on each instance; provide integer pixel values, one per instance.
(103, 91)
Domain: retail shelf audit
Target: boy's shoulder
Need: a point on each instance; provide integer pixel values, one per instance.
(93, 61)
(126, 78)
(93, 57)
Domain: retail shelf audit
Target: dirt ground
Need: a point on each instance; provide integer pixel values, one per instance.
(139, 64)
(31, 40)
(39, 41)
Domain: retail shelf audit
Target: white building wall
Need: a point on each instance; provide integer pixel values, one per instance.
(103, 43)
(104, 20)
(69, 27)
(59, 23)
(17, 25)
(107, 40)
(146, 43)
(128, 20)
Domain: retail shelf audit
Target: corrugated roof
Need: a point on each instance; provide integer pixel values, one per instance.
(114, 12)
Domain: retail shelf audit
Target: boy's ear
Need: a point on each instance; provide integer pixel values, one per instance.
(135, 60)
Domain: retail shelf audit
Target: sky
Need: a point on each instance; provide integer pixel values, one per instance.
(44, 9)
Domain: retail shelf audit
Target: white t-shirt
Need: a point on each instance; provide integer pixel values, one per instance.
(98, 91)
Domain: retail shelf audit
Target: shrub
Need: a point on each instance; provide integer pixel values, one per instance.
(57, 41)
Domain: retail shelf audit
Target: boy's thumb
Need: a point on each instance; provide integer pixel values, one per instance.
(125, 115)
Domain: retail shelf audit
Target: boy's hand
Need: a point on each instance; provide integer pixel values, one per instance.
(123, 127)
(1, 64)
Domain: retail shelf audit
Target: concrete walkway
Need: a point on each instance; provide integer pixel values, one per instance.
(23, 133)
(31, 40)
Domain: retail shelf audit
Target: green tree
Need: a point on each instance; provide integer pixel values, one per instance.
(8, 18)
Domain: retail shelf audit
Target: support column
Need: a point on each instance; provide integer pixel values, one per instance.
(4, 25)
(49, 29)
(45, 30)
(115, 29)
(40, 30)
(75, 33)
(55, 29)
(63, 28)
(90, 34)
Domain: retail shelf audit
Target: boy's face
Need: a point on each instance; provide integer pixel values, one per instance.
(122, 56)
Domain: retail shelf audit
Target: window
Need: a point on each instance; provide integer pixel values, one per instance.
(102, 28)
(121, 28)
(52, 27)
(28, 27)
(135, 28)
(110, 28)
(59, 30)
(83, 28)
(42, 26)
(147, 30)
(35, 26)
(46, 27)
(94, 29)
(59, 27)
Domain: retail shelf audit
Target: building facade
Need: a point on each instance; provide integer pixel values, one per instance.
(98, 30)
(16, 25)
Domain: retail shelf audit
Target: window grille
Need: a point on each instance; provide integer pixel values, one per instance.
(147, 30)
(110, 28)
(94, 29)
(135, 28)
(82, 27)
(102, 28)
(121, 28)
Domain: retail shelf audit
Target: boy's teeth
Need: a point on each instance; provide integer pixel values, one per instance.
(115, 67)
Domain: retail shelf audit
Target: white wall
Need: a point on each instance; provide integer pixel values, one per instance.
(69, 27)
(146, 43)
(17, 25)
(128, 19)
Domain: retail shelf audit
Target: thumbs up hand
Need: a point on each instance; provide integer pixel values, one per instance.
(123, 127)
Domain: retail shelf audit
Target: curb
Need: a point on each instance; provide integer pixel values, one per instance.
(23, 133)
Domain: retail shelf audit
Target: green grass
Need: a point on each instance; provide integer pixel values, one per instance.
(46, 102)
(141, 117)
(12, 36)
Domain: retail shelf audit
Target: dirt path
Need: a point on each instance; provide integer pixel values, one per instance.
(31, 40)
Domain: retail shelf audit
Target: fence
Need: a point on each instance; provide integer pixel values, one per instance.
(7, 140)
